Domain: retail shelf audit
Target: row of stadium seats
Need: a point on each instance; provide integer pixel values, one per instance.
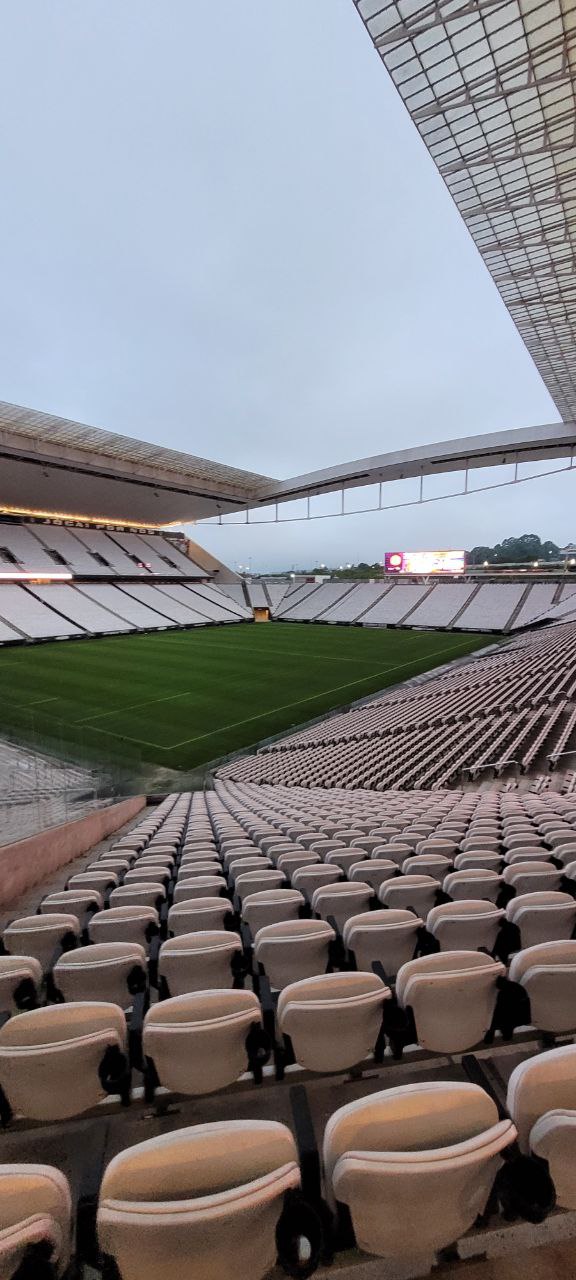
(404, 1172)
(490, 606)
(44, 548)
(58, 610)
(510, 708)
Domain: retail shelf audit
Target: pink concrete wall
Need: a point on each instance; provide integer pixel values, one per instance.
(27, 862)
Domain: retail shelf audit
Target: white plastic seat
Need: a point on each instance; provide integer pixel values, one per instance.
(271, 906)
(410, 892)
(142, 894)
(51, 1058)
(548, 973)
(40, 936)
(291, 862)
(258, 882)
(396, 852)
(165, 860)
(72, 902)
(146, 874)
(198, 1042)
(35, 1211)
(478, 861)
(415, 1165)
(124, 924)
(476, 883)
(199, 914)
(293, 949)
(466, 925)
(201, 1203)
(537, 1086)
(524, 854)
(334, 1020)
(108, 863)
(547, 916)
(101, 881)
(341, 900)
(236, 867)
(428, 864)
(532, 877)
(389, 936)
(110, 971)
(308, 879)
(200, 961)
(373, 871)
(20, 982)
(200, 887)
(452, 996)
(345, 858)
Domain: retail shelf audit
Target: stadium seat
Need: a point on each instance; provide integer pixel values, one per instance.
(341, 900)
(20, 983)
(466, 925)
(389, 937)
(532, 877)
(415, 1165)
(199, 913)
(101, 881)
(289, 951)
(141, 894)
(333, 1021)
(61, 1060)
(35, 1220)
(547, 916)
(405, 893)
(79, 903)
(207, 1199)
(109, 971)
(271, 906)
(200, 887)
(251, 882)
(124, 924)
(198, 961)
(201, 1042)
(452, 998)
(41, 936)
(540, 1086)
(478, 861)
(548, 974)
(308, 879)
(428, 864)
(373, 871)
(473, 883)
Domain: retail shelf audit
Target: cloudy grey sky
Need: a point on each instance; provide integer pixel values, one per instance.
(220, 231)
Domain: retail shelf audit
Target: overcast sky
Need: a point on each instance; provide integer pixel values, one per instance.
(220, 231)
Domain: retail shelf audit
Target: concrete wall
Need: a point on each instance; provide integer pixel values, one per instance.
(28, 862)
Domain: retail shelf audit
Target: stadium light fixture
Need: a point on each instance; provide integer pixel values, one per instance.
(19, 575)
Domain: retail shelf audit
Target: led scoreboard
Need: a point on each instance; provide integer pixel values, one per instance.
(425, 562)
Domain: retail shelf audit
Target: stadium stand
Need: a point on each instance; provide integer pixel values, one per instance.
(113, 1014)
(28, 616)
(355, 603)
(507, 709)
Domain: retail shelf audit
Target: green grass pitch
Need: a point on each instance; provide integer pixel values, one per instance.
(180, 698)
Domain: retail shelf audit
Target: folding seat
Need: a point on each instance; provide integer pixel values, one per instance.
(480, 844)
(344, 858)
(387, 936)
(532, 877)
(79, 903)
(124, 924)
(366, 843)
(101, 881)
(149, 894)
(110, 971)
(478, 861)
(164, 860)
(35, 1221)
(542, 917)
(348, 834)
(200, 961)
(269, 843)
(397, 853)
(452, 996)
(252, 882)
(566, 853)
(241, 866)
(41, 936)
(527, 855)
(548, 974)
(20, 983)
(147, 875)
(107, 863)
(202, 853)
(408, 838)
(340, 901)
(326, 846)
(465, 925)
(415, 1165)
(201, 1042)
(523, 840)
(433, 844)
(410, 893)
(199, 914)
(473, 883)
(271, 906)
(560, 836)
(333, 1021)
(373, 871)
(200, 887)
(546, 1085)
(293, 949)
(190, 870)
(61, 1060)
(385, 832)
(428, 864)
(203, 1202)
(288, 863)
(308, 879)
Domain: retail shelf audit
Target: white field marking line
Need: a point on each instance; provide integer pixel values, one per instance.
(19, 706)
(290, 653)
(234, 724)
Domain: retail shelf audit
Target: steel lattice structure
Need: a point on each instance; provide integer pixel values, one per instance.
(490, 85)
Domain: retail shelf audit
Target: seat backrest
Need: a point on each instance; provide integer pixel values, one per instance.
(110, 971)
(548, 973)
(452, 995)
(342, 900)
(271, 906)
(199, 961)
(124, 924)
(389, 936)
(198, 1041)
(199, 913)
(476, 883)
(543, 916)
(407, 891)
(334, 1020)
(72, 902)
(465, 925)
(35, 1212)
(40, 936)
(436, 1146)
(540, 1084)
(211, 886)
(20, 982)
(291, 950)
(227, 1181)
(553, 1138)
(50, 1057)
